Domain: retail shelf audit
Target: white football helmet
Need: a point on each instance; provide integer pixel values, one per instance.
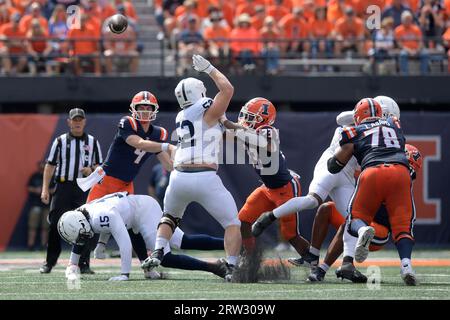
(388, 106)
(189, 91)
(74, 227)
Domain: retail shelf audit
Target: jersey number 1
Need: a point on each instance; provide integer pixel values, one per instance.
(387, 134)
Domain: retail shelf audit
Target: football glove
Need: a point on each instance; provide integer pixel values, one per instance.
(100, 251)
(72, 272)
(201, 64)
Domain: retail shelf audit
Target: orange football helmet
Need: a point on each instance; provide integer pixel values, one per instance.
(257, 112)
(414, 157)
(366, 109)
(144, 98)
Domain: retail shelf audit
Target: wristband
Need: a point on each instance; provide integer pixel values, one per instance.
(209, 69)
(164, 146)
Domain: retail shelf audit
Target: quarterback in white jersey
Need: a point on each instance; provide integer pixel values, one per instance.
(113, 215)
(196, 161)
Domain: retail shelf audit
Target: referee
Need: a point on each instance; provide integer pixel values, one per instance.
(73, 155)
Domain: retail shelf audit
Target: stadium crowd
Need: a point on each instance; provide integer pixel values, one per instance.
(40, 36)
(250, 33)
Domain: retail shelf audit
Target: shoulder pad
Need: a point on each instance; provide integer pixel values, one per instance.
(347, 135)
(128, 122)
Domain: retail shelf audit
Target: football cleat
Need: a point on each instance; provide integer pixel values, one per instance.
(262, 223)
(229, 270)
(45, 268)
(154, 260)
(219, 268)
(408, 275)
(365, 236)
(317, 274)
(307, 260)
(122, 277)
(349, 272)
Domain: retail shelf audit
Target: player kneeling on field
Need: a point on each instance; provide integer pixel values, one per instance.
(116, 213)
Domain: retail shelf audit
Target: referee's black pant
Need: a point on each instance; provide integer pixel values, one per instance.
(68, 196)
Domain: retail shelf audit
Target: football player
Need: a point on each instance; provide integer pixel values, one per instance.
(327, 214)
(378, 145)
(136, 140)
(279, 183)
(339, 187)
(114, 214)
(195, 178)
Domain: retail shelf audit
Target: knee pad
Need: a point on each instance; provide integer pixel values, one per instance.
(170, 220)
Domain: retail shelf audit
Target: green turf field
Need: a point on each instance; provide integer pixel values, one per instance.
(20, 279)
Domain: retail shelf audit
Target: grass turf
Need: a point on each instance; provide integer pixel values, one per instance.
(23, 281)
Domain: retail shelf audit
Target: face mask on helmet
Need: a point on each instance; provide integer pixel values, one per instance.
(144, 99)
(249, 119)
(189, 91)
(74, 227)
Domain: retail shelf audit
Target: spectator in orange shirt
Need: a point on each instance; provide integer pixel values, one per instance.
(245, 42)
(227, 10)
(309, 9)
(84, 47)
(336, 9)
(257, 20)
(277, 10)
(271, 47)
(395, 10)
(320, 33)
(409, 39)
(247, 7)
(349, 33)
(93, 18)
(120, 51)
(38, 48)
(21, 5)
(25, 22)
(13, 50)
(296, 30)
(6, 12)
(214, 13)
(216, 38)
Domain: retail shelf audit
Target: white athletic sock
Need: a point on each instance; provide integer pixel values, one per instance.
(232, 260)
(161, 243)
(406, 261)
(349, 243)
(74, 258)
(296, 204)
(314, 251)
(324, 267)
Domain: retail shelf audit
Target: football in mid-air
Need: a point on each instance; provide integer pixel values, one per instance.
(118, 23)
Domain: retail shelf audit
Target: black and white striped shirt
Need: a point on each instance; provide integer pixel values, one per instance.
(70, 154)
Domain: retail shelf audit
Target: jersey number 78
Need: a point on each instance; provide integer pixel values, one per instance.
(388, 137)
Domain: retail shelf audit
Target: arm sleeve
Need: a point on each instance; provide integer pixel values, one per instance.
(54, 152)
(120, 234)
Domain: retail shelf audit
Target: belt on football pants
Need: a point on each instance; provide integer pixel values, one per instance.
(194, 169)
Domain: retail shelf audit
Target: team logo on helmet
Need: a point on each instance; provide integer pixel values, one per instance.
(257, 112)
(366, 109)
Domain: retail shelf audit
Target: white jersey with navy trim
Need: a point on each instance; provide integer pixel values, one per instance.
(338, 186)
(116, 213)
(197, 142)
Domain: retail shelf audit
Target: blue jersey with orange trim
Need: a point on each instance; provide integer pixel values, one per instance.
(124, 161)
(376, 142)
(272, 169)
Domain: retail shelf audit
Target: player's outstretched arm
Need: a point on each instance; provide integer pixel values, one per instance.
(120, 234)
(226, 89)
(146, 145)
(345, 118)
